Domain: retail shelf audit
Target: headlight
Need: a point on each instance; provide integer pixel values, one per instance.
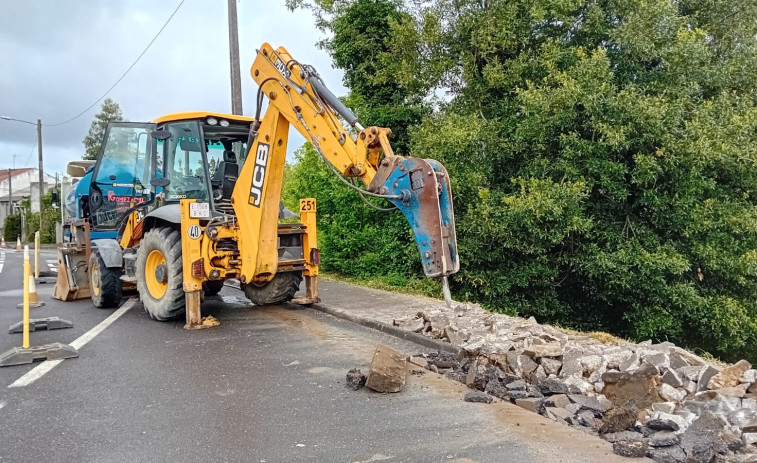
(212, 121)
(224, 123)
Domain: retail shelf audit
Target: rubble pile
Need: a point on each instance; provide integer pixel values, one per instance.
(654, 400)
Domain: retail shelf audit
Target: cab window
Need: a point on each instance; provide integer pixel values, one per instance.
(184, 163)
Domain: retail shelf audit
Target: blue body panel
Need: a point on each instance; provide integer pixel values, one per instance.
(82, 189)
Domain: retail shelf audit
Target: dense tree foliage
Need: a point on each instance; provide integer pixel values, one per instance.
(602, 154)
(110, 111)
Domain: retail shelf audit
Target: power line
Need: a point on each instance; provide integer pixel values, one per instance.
(124, 74)
(30, 153)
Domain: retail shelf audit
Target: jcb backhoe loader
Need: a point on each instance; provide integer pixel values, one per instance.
(195, 199)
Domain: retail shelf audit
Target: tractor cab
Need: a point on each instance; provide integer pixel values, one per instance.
(179, 156)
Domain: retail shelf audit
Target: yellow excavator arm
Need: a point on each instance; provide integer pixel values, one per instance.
(298, 97)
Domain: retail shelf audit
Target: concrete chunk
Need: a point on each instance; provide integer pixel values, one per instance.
(704, 377)
(355, 379)
(711, 401)
(665, 420)
(671, 377)
(557, 401)
(531, 404)
(551, 386)
(686, 356)
(558, 414)
(734, 391)
(750, 376)
(551, 366)
(543, 350)
(620, 418)
(664, 439)
(665, 407)
(388, 371)
(630, 448)
(730, 376)
(597, 405)
(702, 441)
(478, 397)
(660, 424)
(671, 394)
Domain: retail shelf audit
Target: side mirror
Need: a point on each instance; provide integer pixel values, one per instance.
(160, 182)
(160, 134)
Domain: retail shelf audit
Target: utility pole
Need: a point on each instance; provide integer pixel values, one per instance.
(10, 191)
(236, 79)
(41, 174)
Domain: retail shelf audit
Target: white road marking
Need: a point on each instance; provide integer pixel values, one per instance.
(48, 365)
(52, 264)
(2, 262)
(3, 404)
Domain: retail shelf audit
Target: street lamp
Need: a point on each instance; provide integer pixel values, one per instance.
(41, 174)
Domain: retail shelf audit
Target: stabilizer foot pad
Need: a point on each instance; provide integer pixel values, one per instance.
(31, 306)
(36, 324)
(305, 300)
(21, 356)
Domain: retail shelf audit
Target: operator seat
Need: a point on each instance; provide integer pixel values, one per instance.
(226, 173)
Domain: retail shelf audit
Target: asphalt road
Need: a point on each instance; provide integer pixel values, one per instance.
(265, 386)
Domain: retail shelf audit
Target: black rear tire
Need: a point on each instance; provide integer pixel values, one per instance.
(170, 304)
(279, 290)
(212, 287)
(105, 284)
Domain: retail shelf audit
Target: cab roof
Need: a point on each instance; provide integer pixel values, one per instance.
(194, 115)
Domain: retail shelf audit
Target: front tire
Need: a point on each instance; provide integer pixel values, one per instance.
(160, 274)
(281, 289)
(105, 284)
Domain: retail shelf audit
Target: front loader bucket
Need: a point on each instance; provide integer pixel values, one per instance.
(73, 281)
(422, 192)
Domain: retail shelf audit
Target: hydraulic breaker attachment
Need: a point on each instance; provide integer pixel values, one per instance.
(420, 188)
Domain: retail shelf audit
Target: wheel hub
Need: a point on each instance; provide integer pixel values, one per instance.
(156, 274)
(161, 275)
(95, 283)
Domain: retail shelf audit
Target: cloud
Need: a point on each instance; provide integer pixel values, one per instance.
(59, 57)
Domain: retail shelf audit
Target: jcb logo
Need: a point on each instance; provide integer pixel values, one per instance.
(258, 175)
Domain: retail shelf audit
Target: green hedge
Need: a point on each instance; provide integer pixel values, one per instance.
(12, 228)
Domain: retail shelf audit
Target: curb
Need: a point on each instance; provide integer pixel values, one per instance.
(386, 328)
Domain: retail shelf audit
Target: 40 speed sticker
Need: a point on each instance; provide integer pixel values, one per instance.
(194, 231)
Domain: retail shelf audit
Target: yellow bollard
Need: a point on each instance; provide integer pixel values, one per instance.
(27, 274)
(36, 254)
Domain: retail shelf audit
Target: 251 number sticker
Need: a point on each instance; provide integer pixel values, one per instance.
(307, 205)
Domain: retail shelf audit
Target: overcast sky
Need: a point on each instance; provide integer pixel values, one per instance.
(59, 56)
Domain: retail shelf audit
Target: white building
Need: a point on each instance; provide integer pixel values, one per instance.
(25, 184)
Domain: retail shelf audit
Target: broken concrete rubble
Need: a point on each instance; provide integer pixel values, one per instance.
(529, 364)
(729, 376)
(388, 371)
(630, 448)
(355, 379)
(476, 396)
